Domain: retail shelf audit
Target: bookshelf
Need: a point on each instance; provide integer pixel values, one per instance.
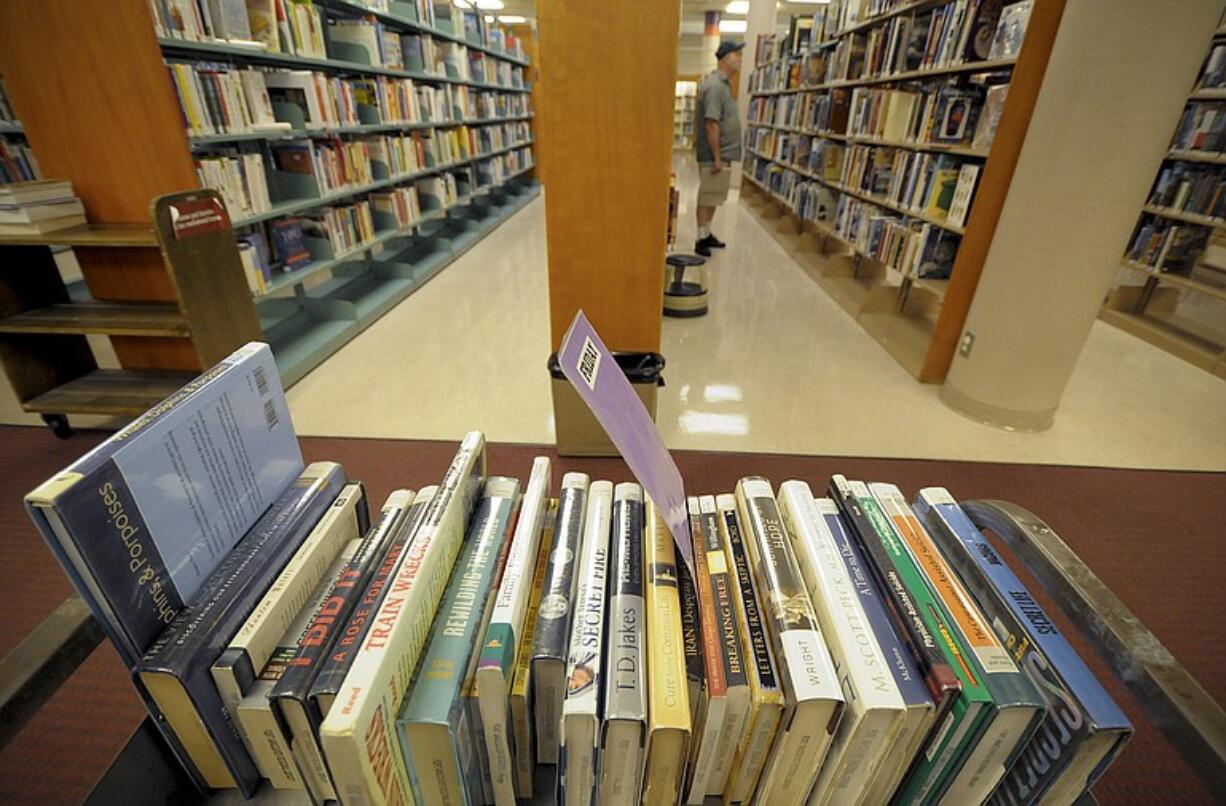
(684, 97)
(479, 159)
(17, 162)
(879, 147)
(1171, 287)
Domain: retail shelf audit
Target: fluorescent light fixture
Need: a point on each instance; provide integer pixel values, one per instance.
(489, 5)
(511, 19)
(463, 4)
(737, 7)
(489, 17)
(733, 26)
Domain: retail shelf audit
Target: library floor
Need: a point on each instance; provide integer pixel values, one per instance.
(776, 366)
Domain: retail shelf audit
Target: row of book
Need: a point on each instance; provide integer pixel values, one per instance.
(241, 180)
(1191, 188)
(939, 187)
(1202, 127)
(299, 28)
(848, 648)
(37, 206)
(17, 162)
(951, 34)
(1168, 246)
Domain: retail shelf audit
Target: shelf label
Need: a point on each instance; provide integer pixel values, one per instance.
(195, 217)
(592, 371)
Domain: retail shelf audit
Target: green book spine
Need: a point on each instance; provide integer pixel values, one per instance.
(434, 707)
(953, 738)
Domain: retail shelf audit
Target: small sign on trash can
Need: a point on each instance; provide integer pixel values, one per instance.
(578, 432)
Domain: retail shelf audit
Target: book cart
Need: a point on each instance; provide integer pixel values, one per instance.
(119, 135)
(146, 770)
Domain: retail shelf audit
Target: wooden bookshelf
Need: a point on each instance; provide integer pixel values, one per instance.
(1150, 310)
(305, 315)
(917, 320)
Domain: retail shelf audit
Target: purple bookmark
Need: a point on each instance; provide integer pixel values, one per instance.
(592, 370)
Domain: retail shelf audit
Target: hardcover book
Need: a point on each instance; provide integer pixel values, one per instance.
(269, 624)
(668, 707)
(290, 696)
(553, 618)
(921, 711)
(963, 704)
(521, 689)
(624, 730)
(267, 741)
(288, 243)
(875, 714)
(359, 735)
(691, 637)
(813, 700)
(765, 695)
(434, 726)
(1017, 706)
(119, 519)
(581, 713)
(176, 669)
(1084, 730)
(498, 656)
(336, 665)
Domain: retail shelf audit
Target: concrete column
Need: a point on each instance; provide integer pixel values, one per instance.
(1119, 75)
(761, 19)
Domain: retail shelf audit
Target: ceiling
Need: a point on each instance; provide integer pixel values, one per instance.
(692, 12)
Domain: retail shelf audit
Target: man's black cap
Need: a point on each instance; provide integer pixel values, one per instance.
(727, 46)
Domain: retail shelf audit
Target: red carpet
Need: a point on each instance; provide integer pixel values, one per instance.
(1154, 537)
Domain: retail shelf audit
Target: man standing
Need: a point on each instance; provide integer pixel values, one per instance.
(717, 137)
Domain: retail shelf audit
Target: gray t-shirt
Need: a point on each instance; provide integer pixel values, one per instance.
(715, 102)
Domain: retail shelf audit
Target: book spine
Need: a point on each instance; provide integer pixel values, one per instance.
(624, 675)
(577, 766)
(875, 708)
(358, 735)
(709, 724)
(732, 649)
(1077, 705)
(553, 615)
(339, 660)
(524, 748)
(454, 635)
(807, 670)
(764, 682)
(668, 701)
(498, 655)
(691, 627)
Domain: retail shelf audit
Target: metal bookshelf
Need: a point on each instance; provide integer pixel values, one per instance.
(902, 312)
(307, 314)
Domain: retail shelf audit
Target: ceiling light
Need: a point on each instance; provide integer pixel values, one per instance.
(489, 5)
(810, 2)
(489, 18)
(512, 19)
(733, 26)
(463, 4)
(738, 7)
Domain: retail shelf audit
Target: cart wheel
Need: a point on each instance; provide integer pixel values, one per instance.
(58, 424)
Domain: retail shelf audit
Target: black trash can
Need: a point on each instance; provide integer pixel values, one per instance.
(577, 431)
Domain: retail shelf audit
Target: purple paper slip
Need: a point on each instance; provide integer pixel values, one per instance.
(592, 370)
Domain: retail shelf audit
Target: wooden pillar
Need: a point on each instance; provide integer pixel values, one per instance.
(606, 112)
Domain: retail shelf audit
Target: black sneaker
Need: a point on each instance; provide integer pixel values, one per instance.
(702, 247)
(713, 242)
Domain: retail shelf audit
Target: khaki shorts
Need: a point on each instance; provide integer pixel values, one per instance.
(713, 190)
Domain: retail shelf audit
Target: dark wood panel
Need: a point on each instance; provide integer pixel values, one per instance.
(144, 319)
(109, 391)
(126, 275)
(156, 352)
(89, 235)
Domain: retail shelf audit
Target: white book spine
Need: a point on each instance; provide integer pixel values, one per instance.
(510, 608)
(359, 733)
(875, 709)
(580, 709)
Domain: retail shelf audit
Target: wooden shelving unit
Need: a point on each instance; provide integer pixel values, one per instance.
(1182, 313)
(119, 136)
(916, 319)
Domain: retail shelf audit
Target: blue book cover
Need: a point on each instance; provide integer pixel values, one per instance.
(437, 737)
(289, 244)
(1084, 729)
(176, 669)
(140, 522)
